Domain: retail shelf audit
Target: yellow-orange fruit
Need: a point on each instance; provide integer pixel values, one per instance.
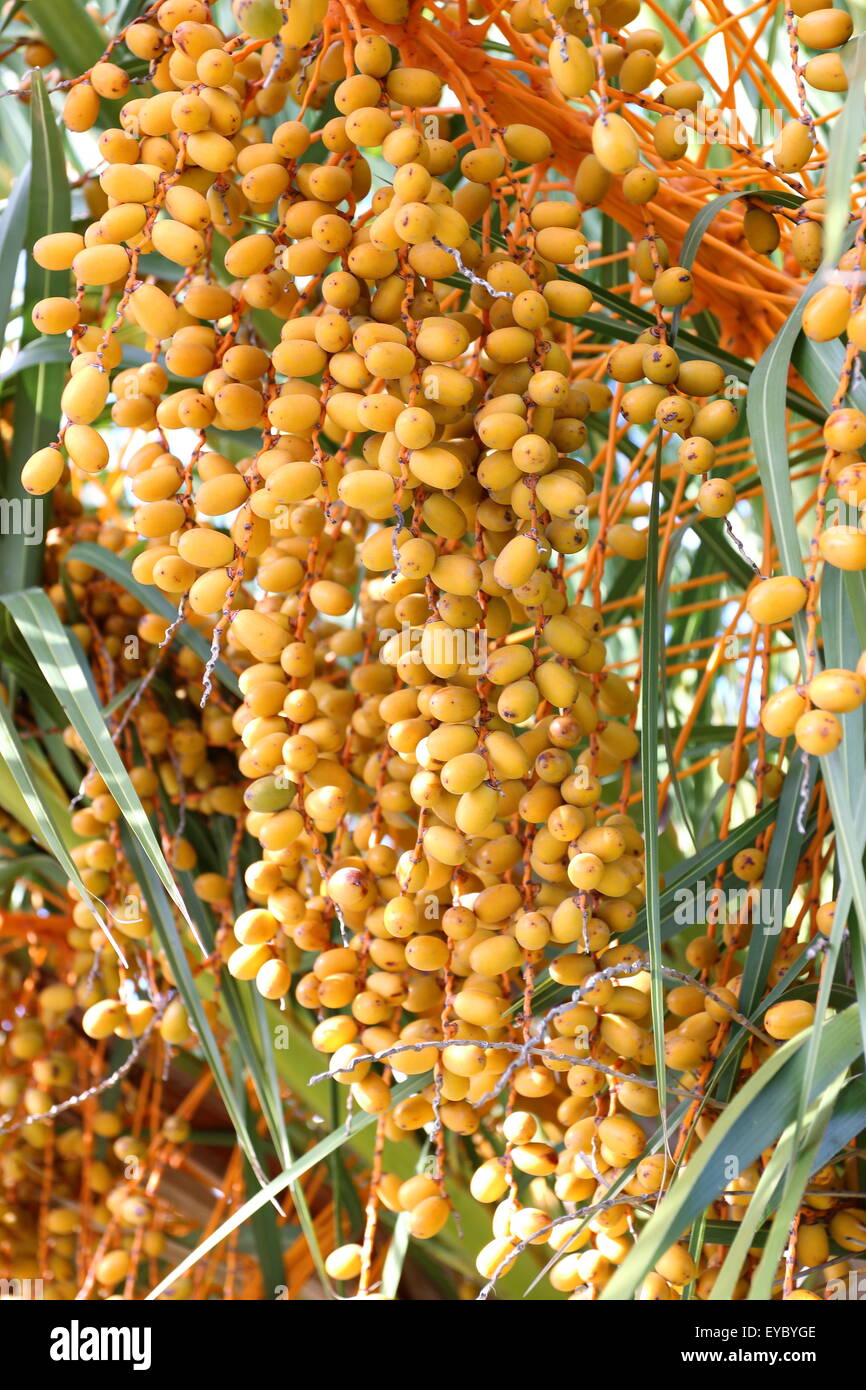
(776, 600)
(571, 65)
(42, 471)
(781, 712)
(848, 1229)
(826, 73)
(844, 547)
(837, 690)
(614, 144)
(55, 315)
(101, 1019)
(827, 313)
(344, 1262)
(153, 311)
(793, 147)
(260, 634)
(85, 395)
(845, 430)
(86, 448)
(58, 250)
(101, 265)
(789, 1018)
(818, 732)
(81, 108)
(827, 28)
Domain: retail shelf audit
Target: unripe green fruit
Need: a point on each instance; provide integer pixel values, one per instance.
(261, 19)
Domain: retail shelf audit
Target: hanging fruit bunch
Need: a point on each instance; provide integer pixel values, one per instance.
(401, 459)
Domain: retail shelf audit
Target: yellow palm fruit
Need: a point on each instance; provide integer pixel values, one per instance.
(776, 600)
(86, 448)
(793, 147)
(42, 471)
(85, 395)
(787, 1019)
(614, 144)
(825, 28)
(101, 265)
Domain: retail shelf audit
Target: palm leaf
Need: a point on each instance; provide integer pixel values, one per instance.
(752, 1122)
(38, 815)
(68, 27)
(651, 656)
(37, 396)
(43, 632)
(13, 232)
(115, 567)
(848, 129)
(291, 1175)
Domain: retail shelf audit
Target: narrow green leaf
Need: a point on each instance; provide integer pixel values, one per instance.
(13, 233)
(392, 1271)
(614, 240)
(317, 1154)
(778, 879)
(697, 1239)
(128, 11)
(39, 625)
(160, 909)
(848, 129)
(43, 819)
(261, 1065)
(820, 366)
(37, 396)
(14, 139)
(68, 28)
(38, 866)
(651, 657)
(806, 1151)
(765, 409)
(117, 568)
(40, 352)
(702, 220)
(695, 870)
(707, 214)
(849, 849)
(266, 1234)
(664, 729)
(784, 1155)
(842, 648)
(751, 1123)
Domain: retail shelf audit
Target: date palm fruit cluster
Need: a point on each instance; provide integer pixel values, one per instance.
(110, 1212)
(360, 467)
(96, 1214)
(810, 711)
